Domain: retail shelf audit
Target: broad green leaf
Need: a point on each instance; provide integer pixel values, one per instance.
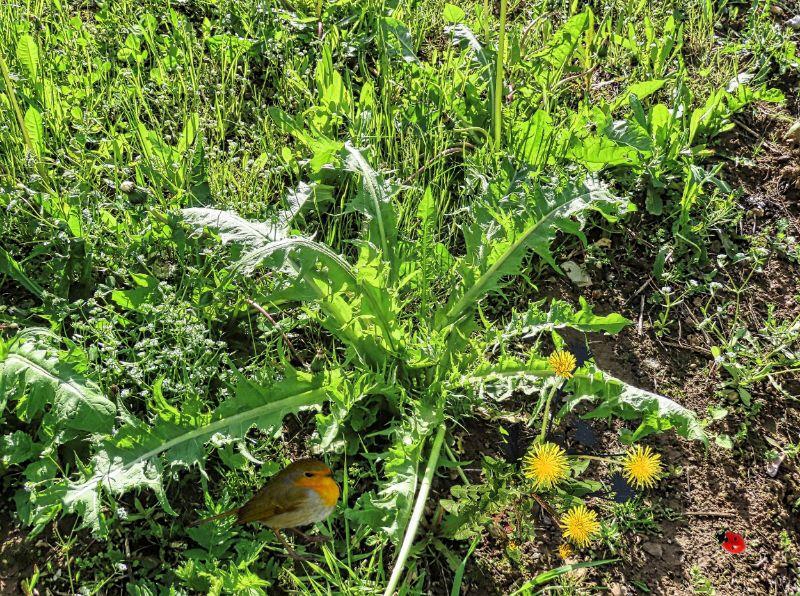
(596, 152)
(536, 140)
(147, 286)
(135, 456)
(724, 441)
(35, 128)
(612, 396)
(505, 238)
(641, 90)
(333, 96)
(564, 41)
(398, 39)
(632, 134)
(561, 315)
(28, 55)
(17, 447)
(305, 196)
(189, 134)
(234, 229)
(40, 383)
(466, 40)
(453, 14)
(230, 46)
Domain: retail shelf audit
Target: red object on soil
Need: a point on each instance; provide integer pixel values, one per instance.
(733, 543)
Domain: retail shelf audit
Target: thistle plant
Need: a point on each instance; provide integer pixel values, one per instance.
(436, 351)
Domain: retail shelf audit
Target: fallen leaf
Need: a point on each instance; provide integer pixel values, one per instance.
(774, 465)
(576, 274)
(793, 134)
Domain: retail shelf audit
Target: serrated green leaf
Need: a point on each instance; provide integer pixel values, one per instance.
(357, 308)
(505, 238)
(612, 396)
(598, 152)
(387, 509)
(134, 457)
(234, 229)
(561, 315)
(373, 201)
(33, 376)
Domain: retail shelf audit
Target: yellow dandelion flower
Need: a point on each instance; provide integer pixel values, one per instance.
(642, 466)
(579, 525)
(562, 363)
(546, 464)
(565, 550)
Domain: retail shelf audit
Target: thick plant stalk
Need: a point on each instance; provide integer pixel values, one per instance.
(416, 514)
(498, 76)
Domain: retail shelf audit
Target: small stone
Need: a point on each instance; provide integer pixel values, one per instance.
(618, 590)
(127, 187)
(774, 465)
(603, 243)
(793, 134)
(653, 549)
(794, 22)
(576, 274)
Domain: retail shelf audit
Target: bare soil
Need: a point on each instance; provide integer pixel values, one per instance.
(709, 490)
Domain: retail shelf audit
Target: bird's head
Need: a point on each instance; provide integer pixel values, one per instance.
(314, 474)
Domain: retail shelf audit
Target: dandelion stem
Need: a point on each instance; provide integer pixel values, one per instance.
(545, 424)
(595, 458)
(452, 457)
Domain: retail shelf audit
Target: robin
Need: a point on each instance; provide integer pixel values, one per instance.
(302, 493)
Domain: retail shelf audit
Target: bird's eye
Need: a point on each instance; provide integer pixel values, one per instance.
(309, 474)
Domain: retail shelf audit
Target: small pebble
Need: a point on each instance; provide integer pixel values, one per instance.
(774, 465)
(654, 549)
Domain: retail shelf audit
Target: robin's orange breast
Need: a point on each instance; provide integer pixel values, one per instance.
(324, 486)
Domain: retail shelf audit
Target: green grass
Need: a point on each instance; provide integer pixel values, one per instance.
(437, 195)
